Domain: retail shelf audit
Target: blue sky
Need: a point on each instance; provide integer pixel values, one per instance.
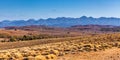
(27, 9)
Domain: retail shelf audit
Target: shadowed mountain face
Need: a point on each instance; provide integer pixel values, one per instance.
(64, 22)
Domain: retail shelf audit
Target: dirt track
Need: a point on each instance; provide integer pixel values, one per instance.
(10, 45)
(109, 54)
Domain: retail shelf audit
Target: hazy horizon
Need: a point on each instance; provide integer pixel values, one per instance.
(36, 9)
(56, 18)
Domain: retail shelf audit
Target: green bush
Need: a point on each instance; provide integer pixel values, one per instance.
(12, 39)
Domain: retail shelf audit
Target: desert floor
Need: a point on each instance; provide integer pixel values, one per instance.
(109, 54)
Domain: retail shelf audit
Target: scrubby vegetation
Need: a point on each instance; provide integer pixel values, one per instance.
(33, 37)
(4, 35)
(31, 46)
(29, 37)
(88, 43)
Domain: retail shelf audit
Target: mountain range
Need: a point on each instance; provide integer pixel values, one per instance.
(63, 21)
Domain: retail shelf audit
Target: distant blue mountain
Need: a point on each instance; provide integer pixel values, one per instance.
(63, 21)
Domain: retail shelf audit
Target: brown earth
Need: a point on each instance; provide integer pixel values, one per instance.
(109, 54)
(11, 45)
(80, 37)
